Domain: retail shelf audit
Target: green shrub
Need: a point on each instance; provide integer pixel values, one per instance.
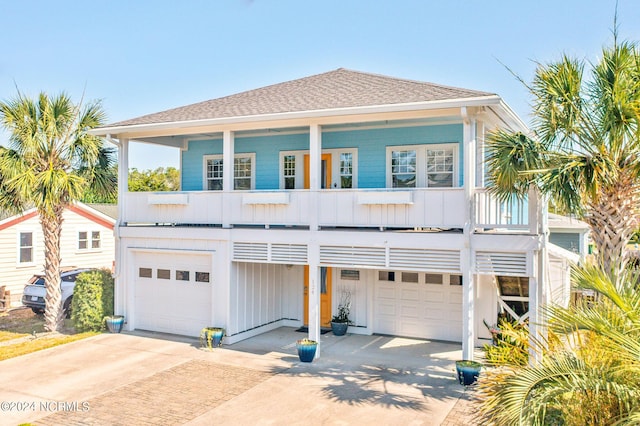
(92, 300)
(510, 345)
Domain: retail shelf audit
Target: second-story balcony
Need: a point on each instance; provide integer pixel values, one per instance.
(445, 208)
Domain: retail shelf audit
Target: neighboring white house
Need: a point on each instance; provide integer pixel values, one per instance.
(295, 192)
(87, 240)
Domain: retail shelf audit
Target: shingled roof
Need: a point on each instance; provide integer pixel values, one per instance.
(341, 88)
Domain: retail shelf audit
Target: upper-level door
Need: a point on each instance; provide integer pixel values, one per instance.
(325, 171)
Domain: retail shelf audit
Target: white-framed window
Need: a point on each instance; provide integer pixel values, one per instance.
(243, 172)
(89, 240)
(344, 168)
(25, 247)
(422, 166)
(289, 171)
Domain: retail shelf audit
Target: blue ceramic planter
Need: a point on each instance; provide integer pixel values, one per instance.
(468, 372)
(339, 328)
(211, 337)
(114, 323)
(306, 352)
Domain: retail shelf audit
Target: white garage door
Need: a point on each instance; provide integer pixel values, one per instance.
(412, 304)
(173, 292)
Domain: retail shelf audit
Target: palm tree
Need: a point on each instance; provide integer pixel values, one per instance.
(590, 374)
(51, 160)
(584, 151)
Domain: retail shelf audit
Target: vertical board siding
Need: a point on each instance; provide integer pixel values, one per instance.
(262, 293)
(370, 143)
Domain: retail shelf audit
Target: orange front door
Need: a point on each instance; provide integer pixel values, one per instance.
(325, 297)
(325, 171)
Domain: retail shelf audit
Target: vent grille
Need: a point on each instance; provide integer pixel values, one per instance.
(352, 256)
(508, 264)
(289, 253)
(425, 260)
(251, 251)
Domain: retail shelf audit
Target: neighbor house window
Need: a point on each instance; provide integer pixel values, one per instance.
(423, 166)
(26, 247)
(88, 240)
(243, 172)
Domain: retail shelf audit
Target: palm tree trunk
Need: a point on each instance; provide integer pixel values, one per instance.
(613, 219)
(52, 228)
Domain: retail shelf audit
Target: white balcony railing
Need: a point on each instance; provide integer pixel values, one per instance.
(515, 215)
(361, 208)
(380, 208)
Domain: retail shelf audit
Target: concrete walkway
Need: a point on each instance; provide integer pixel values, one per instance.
(145, 378)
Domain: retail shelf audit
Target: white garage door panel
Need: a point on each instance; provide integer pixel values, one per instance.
(429, 311)
(172, 305)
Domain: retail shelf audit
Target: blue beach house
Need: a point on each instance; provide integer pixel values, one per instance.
(295, 193)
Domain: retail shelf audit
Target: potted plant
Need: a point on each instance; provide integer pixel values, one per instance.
(211, 337)
(468, 371)
(114, 323)
(306, 349)
(340, 321)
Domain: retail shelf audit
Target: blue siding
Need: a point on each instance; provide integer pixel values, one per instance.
(371, 145)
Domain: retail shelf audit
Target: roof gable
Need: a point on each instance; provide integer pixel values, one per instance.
(341, 88)
(7, 221)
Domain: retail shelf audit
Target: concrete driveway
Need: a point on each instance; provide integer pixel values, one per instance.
(146, 378)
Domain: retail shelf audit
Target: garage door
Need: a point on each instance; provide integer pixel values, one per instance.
(173, 292)
(412, 304)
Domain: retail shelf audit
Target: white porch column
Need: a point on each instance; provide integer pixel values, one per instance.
(123, 177)
(538, 282)
(315, 173)
(466, 255)
(228, 140)
(120, 274)
(314, 293)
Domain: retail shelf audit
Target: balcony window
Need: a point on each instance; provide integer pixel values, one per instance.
(422, 166)
(403, 169)
(243, 172)
(289, 171)
(440, 168)
(346, 170)
(339, 169)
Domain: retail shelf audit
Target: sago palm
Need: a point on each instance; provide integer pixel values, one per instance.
(49, 163)
(584, 151)
(590, 375)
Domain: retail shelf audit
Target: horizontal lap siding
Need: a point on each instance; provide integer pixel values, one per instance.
(370, 143)
(15, 277)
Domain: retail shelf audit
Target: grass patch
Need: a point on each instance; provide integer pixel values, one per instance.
(9, 335)
(11, 351)
(23, 325)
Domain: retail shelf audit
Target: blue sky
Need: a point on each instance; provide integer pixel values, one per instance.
(140, 57)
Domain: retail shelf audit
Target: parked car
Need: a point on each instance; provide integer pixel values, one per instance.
(34, 292)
